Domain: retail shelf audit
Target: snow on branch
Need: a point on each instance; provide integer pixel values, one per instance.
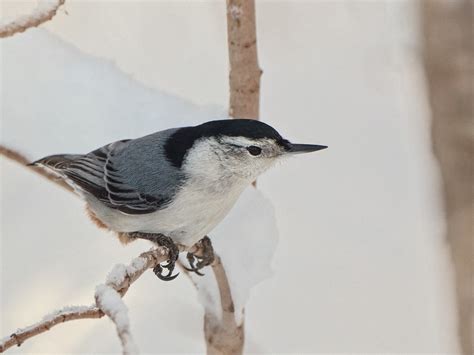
(112, 305)
(57, 317)
(108, 302)
(45, 11)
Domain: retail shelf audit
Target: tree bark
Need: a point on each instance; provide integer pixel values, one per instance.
(223, 336)
(244, 74)
(448, 57)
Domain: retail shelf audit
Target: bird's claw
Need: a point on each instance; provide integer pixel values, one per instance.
(173, 253)
(192, 259)
(204, 256)
(158, 270)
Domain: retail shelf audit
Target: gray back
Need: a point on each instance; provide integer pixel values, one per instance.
(133, 176)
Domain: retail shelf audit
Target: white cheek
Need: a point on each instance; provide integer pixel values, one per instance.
(202, 161)
(255, 166)
(208, 162)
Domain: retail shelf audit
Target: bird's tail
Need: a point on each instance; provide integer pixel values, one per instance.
(56, 162)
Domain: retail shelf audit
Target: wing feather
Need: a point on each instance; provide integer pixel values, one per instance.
(131, 176)
(95, 173)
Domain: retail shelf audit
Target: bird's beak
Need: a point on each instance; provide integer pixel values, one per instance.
(303, 148)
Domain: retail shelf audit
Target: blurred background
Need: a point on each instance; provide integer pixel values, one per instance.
(363, 261)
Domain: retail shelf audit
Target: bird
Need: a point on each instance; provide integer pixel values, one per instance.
(174, 186)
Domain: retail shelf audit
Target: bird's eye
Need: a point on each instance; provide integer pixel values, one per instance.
(254, 150)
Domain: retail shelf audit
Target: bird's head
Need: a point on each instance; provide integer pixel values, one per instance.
(234, 148)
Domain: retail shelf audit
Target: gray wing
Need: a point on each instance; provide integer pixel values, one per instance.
(132, 176)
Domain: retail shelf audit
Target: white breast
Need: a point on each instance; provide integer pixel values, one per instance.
(195, 212)
(196, 209)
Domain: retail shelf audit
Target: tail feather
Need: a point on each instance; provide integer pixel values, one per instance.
(56, 162)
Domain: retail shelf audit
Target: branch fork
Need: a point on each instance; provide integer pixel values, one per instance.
(108, 302)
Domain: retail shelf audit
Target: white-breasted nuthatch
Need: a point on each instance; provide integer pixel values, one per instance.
(176, 185)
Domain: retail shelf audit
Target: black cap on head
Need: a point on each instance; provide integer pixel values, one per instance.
(238, 128)
(183, 139)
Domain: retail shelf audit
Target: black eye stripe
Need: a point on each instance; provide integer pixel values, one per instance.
(254, 150)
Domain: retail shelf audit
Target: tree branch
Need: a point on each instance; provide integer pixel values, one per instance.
(60, 316)
(223, 336)
(109, 301)
(118, 281)
(448, 52)
(44, 12)
(244, 74)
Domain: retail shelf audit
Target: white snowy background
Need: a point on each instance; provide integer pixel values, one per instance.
(360, 264)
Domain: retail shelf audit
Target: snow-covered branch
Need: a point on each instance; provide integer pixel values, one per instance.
(57, 317)
(45, 11)
(108, 301)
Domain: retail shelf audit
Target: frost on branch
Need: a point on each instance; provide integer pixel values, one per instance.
(108, 298)
(45, 11)
(54, 318)
(110, 302)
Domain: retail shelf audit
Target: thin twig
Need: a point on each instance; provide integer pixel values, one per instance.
(44, 12)
(49, 321)
(119, 279)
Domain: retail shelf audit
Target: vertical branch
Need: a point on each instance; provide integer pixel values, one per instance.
(448, 57)
(244, 74)
(225, 336)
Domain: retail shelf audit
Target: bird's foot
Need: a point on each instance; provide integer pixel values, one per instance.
(173, 253)
(204, 256)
